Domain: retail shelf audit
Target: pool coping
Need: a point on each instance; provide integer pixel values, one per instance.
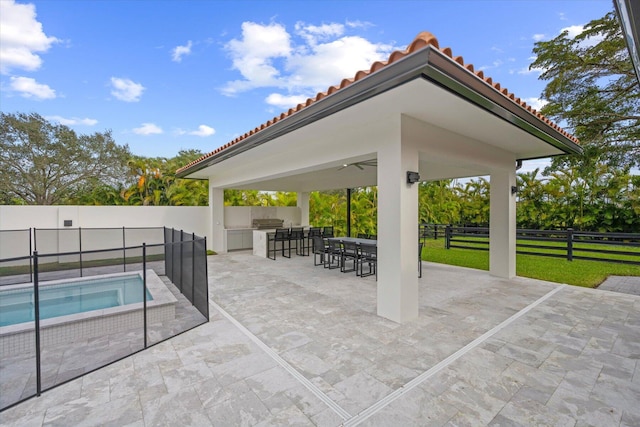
(159, 292)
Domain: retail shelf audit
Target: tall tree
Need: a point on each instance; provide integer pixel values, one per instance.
(42, 163)
(593, 89)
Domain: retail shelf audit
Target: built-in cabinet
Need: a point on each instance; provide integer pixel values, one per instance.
(239, 239)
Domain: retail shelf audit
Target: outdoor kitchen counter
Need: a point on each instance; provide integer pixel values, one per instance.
(239, 238)
(260, 242)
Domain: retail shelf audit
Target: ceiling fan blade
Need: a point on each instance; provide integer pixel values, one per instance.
(358, 166)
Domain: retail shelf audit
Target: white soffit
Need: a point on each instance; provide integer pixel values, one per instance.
(308, 158)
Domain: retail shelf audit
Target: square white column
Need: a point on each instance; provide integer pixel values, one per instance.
(502, 224)
(397, 230)
(217, 238)
(302, 202)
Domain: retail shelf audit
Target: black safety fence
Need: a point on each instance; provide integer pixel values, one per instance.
(80, 310)
(623, 248)
(186, 266)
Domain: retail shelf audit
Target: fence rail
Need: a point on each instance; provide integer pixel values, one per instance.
(568, 244)
(166, 304)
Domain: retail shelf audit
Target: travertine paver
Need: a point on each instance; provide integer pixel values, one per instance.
(65, 361)
(624, 284)
(573, 359)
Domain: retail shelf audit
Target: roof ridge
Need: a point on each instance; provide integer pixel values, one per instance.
(421, 41)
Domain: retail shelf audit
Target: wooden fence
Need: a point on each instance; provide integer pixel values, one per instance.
(569, 244)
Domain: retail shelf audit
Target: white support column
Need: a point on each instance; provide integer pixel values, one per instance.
(502, 225)
(397, 230)
(217, 237)
(303, 203)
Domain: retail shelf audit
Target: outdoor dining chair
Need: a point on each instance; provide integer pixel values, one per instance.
(369, 256)
(334, 254)
(297, 236)
(281, 235)
(327, 232)
(319, 248)
(313, 231)
(349, 253)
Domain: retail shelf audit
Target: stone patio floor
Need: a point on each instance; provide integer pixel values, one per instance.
(293, 344)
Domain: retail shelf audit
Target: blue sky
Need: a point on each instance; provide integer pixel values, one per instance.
(171, 75)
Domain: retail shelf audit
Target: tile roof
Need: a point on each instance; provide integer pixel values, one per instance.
(423, 40)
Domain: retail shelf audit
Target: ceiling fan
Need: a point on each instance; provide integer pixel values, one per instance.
(360, 165)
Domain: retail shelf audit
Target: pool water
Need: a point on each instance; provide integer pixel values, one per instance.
(17, 305)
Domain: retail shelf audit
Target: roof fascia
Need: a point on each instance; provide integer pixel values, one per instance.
(428, 63)
(444, 72)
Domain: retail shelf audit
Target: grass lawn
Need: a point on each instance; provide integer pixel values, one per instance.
(578, 272)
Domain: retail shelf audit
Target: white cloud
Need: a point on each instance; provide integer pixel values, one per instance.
(575, 30)
(528, 70)
(309, 61)
(495, 64)
(314, 33)
(538, 37)
(536, 103)
(29, 88)
(203, 130)
(253, 56)
(148, 129)
(359, 24)
(72, 121)
(21, 37)
(284, 102)
(180, 51)
(126, 90)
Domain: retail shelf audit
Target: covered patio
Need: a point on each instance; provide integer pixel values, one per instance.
(422, 111)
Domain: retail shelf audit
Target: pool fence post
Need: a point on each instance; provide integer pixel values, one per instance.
(30, 258)
(36, 305)
(206, 277)
(193, 268)
(144, 290)
(124, 252)
(80, 245)
(181, 259)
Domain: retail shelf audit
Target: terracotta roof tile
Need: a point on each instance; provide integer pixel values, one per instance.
(423, 40)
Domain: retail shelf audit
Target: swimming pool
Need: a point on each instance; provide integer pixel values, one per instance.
(97, 316)
(17, 306)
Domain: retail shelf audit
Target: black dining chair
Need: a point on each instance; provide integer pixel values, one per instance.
(363, 236)
(334, 254)
(369, 256)
(321, 248)
(281, 235)
(349, 253)
(327, 232)
(313, 232)
(297, 236)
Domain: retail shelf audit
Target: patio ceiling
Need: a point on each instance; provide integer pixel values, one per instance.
(457, 116)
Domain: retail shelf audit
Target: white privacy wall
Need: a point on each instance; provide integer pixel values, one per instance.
(192, 219)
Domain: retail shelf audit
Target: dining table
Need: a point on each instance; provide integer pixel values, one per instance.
(356, 240)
